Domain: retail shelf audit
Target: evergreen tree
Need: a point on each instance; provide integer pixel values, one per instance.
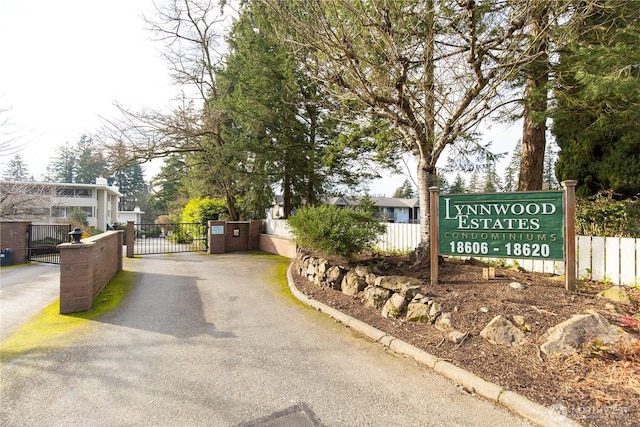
(458, 185)
(16, 170)
(64, 164)
(512, 170)
(475, 183)
(90, 164)
(442, 183)
(491, 182)
(549, 181)
(429, 70)
(405, 191)
(598, 108)
(169, 193)
(130, 182)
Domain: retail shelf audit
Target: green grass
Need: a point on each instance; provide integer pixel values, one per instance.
(50, 330)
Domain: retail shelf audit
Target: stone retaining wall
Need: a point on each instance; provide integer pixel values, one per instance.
(400, 297)
(394, 296)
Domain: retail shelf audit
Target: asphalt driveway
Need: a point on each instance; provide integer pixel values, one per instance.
(24, 291)
(218, 340)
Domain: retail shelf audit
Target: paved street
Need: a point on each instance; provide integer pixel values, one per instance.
(24, 291)
(217, 341)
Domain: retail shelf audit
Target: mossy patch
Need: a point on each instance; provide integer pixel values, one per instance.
(278, 275)
(49, 329)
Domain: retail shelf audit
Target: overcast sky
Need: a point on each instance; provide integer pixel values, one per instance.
(66, 62)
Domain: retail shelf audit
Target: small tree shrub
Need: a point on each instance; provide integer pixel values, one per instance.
(335, 231)
(600, 215)
(80, 216)
(202, 209)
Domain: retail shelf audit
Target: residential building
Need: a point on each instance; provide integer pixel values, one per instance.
(389, 209)
(135, 215)
(54, 202)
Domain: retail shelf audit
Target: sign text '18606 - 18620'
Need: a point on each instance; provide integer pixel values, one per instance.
(513, 225)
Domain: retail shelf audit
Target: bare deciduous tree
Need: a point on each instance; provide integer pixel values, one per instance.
(191, 34)
(432, 69)
(9, 136)
(25, 200)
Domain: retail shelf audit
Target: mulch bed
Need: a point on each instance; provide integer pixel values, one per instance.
(599, 387)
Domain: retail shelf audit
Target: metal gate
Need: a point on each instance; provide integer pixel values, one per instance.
(43, 241)
(169, 238)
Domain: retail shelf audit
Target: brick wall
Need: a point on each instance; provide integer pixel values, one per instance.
(13, 234)
(237, 236)
(86, 268)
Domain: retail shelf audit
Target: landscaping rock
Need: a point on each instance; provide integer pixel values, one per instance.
(500, 331)
(418, 312)
(615, 294)
(334, 277)
(456, 336)
(371, 279)
(517, 285)
(375, 297)
(406, 286)
(434, 311)
(571, 335)
(352, 284)
(444, 323)
(361, 271)
(394, 307)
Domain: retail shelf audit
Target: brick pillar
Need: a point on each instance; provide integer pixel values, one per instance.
(13, 235)
(120, 239)
(255, 228)
(216, 233)
(130, 238)
(75, 278)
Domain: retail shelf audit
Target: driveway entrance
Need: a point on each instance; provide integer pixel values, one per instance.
(219, 341)
(169, 238)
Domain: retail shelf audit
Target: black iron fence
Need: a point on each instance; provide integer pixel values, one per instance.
(169, 238)
(43, 241)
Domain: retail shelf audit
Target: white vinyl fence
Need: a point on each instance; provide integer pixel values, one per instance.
(611, 259)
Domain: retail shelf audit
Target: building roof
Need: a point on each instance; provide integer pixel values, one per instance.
(382, 202)
(101, 186)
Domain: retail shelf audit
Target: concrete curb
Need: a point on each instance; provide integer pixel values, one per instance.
(520, 405)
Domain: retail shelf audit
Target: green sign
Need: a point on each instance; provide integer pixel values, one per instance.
(502, 225)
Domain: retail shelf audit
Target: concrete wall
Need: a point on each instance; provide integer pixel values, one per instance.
(278, 245)
(86, 268)
(13, 234)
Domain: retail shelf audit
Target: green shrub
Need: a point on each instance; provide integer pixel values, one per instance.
(601, 216)
(202, 209)
(335, 231)
(80, 216)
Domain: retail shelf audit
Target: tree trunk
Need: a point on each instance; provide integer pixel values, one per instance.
(425, 145)
(533, 148)
(534, 126)
(231, 206)
(426, 179)
(286, 194)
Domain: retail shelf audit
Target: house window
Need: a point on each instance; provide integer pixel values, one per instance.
(66, 211)
(58, 212)
(38, 211)
(83, 192)
(64, 192)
